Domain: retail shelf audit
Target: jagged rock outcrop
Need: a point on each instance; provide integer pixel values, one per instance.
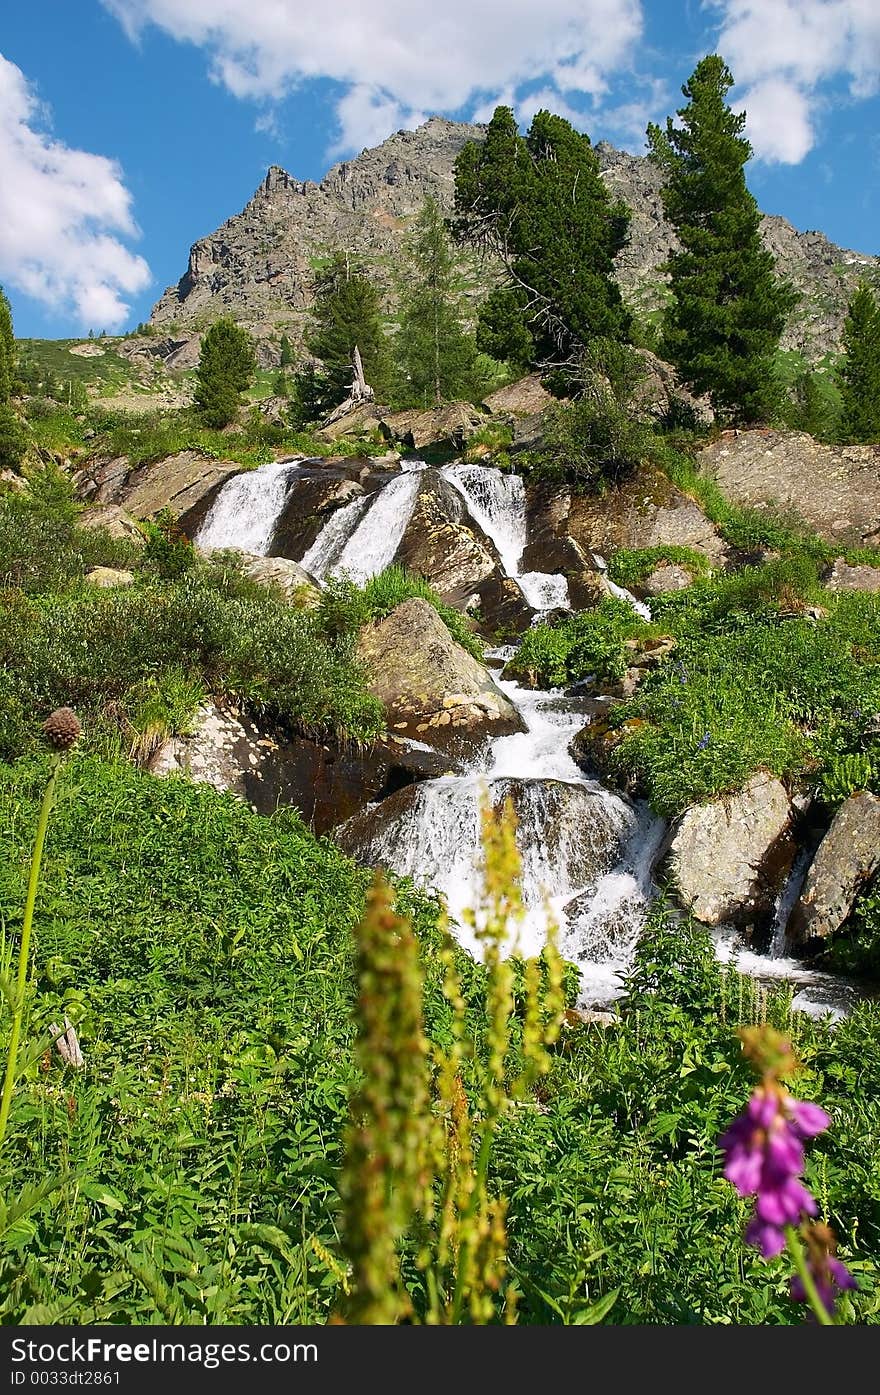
(846, 859)
(444, 545)
(550, 546)
(728, 857)
(186, 483)
(258, 267)
(432, 689)
(646, 510)
(450, 424)
(835, 489)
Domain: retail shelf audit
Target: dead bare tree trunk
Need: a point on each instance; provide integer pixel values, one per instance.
(359, 392)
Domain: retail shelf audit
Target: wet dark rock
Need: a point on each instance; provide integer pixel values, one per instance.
(847, 858)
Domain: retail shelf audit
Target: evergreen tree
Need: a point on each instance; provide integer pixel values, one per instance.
(7, 349)
(728, 308)
(281, 385)
(226, 368)
(859, 372)
(286, 352)
(346, 315)
(307, 397)
(436, 356)
(541, 205)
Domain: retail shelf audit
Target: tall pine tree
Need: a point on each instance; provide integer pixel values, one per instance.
(540, 204)
(226, 368)
(728, 307)
(346, 315)
(436, 356)
(859, 372)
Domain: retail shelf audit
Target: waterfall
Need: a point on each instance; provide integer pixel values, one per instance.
(362, 539)
(785, 901)
(497, 502)
(586, 853)
(333, 537)
(246, 510)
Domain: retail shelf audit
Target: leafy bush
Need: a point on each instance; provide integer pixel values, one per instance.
(630, 566)
(590, 642)
(346, 607)
(591, 442)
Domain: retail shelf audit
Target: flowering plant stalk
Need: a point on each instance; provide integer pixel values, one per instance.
(61, 730)
(764, 1158)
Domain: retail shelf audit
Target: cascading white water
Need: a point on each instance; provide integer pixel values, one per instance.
(246, 510)
(332, 538)
(373, 544)
(640, 607)
(498, 503)
(586, 853)
(362, 538)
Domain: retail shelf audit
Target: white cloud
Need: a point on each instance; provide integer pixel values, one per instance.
(398, 58)
(59, 209)
(778, 121)
(783, 52)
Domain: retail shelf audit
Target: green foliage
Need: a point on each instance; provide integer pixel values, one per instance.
(346, 315)
(722, 327)
(811, 405)
(502, 331)
(226, 368)
(436, 356)
(541, 205)
(754, 683)
(591, 442)
(13, 439)
(589, 642)
(859, 372)
(7, 351)
(630, 566)
(345, 607)
(168, 552)
(41, 547)
(286, 352)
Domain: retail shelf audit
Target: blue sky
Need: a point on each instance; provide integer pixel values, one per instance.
(129, 128)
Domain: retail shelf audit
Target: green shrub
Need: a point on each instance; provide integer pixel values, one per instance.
(13, 439)
(630, 566)
(345, 607)
(590, 642)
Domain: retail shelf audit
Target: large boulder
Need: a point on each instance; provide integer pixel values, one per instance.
(269, 769)
(363, 420)
(285, 575)
(842, 576)
(525, 398)
(728, 858)
(646, 510)
(847, 858)
(551, 548)
(449, 424)
(445, 546)
(186, 483)
(835, 489)
(432, 689)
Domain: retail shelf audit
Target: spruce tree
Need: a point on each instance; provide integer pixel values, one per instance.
(859, 372)
(540, 204)
(7, 349)
(728, 307)
(437, 358)
(346, 315)
(286, 352)
(226, 368)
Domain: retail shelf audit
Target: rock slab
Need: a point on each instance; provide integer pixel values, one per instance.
(847, 857)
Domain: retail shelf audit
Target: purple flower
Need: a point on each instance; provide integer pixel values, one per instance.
(830, 1276)
(765, 1159)
(704, 741)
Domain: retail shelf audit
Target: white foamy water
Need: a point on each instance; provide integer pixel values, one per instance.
(373, 544)
(332, 538)
(640, 607)
(586, 853)
(497, 502)
(246, 511)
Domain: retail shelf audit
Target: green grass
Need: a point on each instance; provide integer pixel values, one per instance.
(631, 566)
(108, 371)
(346, 607)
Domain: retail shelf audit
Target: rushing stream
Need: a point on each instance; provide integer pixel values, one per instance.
(587, 852)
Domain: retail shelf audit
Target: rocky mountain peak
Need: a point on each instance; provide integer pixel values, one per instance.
(259, 266)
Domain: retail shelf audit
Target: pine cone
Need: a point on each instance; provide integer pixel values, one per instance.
(62, 728)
